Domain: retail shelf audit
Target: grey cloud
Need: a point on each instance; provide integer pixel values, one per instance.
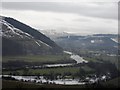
(99, 10)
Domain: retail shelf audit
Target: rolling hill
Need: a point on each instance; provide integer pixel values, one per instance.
(107, 43)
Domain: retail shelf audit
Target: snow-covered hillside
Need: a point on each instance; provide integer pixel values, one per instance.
(29, 39)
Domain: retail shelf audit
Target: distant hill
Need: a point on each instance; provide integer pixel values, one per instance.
(97, 42)
(21, 39)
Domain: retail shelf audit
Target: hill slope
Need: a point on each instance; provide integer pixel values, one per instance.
(102, 43)
(21, 39)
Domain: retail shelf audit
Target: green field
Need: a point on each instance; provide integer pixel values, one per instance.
(36, 58)
(112, 59)
(60, 70)
(91, 59)
(102, 58)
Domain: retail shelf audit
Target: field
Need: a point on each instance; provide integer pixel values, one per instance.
(98, 65)
(43, 71)
(102, 58)
(20, 85)
(36, 58)
(8, 84)
(61, 70)
(114, 82)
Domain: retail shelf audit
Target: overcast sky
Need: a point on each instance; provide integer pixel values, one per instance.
(76, 17)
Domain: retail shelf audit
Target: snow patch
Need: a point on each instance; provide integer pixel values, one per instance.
(67, 52)
(57, 65)
(14, 31)
(78, 59)
(45, 43)
(115, 40)
(92, 41)
(28, 35)
(37, 43)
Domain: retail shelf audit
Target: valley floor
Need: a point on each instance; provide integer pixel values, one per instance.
(94, 69)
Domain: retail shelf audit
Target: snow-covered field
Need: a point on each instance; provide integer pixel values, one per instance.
(76, 57)
(42, 80)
